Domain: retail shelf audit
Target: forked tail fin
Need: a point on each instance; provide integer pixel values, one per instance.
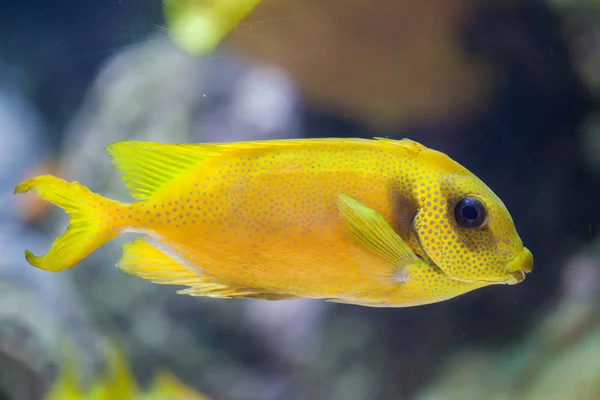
(89, 227)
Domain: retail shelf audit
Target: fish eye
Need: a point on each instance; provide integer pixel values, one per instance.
(470, 213)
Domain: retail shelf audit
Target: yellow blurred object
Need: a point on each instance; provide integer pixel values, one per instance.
(118, 384)
(167, 386)
(198, 26)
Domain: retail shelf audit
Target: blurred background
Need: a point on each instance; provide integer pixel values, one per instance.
(507, 88)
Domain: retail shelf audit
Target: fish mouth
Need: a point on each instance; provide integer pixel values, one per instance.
(519, 266)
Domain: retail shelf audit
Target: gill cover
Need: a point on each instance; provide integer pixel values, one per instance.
(469, 254)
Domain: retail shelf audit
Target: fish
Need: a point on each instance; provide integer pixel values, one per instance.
(371, 222)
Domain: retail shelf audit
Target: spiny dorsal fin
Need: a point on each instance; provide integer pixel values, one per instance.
(149, 166)
(142, 259)
(408, 144)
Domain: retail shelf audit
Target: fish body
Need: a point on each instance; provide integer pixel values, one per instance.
(369, 222)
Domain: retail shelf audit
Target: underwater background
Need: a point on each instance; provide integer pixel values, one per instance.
(507, 88)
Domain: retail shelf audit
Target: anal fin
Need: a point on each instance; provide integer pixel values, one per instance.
(364, 303)
(142, 259)
(217, 290)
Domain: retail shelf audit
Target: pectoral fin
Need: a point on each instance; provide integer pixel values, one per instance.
(372, 234)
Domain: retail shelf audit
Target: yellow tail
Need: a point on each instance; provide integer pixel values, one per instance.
(89, 226)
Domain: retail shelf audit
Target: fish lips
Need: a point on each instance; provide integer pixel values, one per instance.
(519, 266)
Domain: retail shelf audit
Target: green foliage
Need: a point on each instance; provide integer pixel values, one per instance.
(118, 383)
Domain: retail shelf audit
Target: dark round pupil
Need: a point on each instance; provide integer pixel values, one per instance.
(470, 213)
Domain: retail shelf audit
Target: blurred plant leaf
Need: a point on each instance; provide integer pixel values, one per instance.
(198, 26)
(117, 384)
(67, 383)
(166, 386)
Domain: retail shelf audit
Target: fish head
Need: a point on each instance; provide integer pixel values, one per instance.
(463, 227)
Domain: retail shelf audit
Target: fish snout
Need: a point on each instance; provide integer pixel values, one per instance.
(519, 266)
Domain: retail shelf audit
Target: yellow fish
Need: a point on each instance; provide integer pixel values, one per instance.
(385, 223)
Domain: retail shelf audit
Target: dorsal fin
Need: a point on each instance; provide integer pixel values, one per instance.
(149, 166)
(408, 144)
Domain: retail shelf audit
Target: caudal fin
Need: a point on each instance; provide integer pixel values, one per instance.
(88, 227)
